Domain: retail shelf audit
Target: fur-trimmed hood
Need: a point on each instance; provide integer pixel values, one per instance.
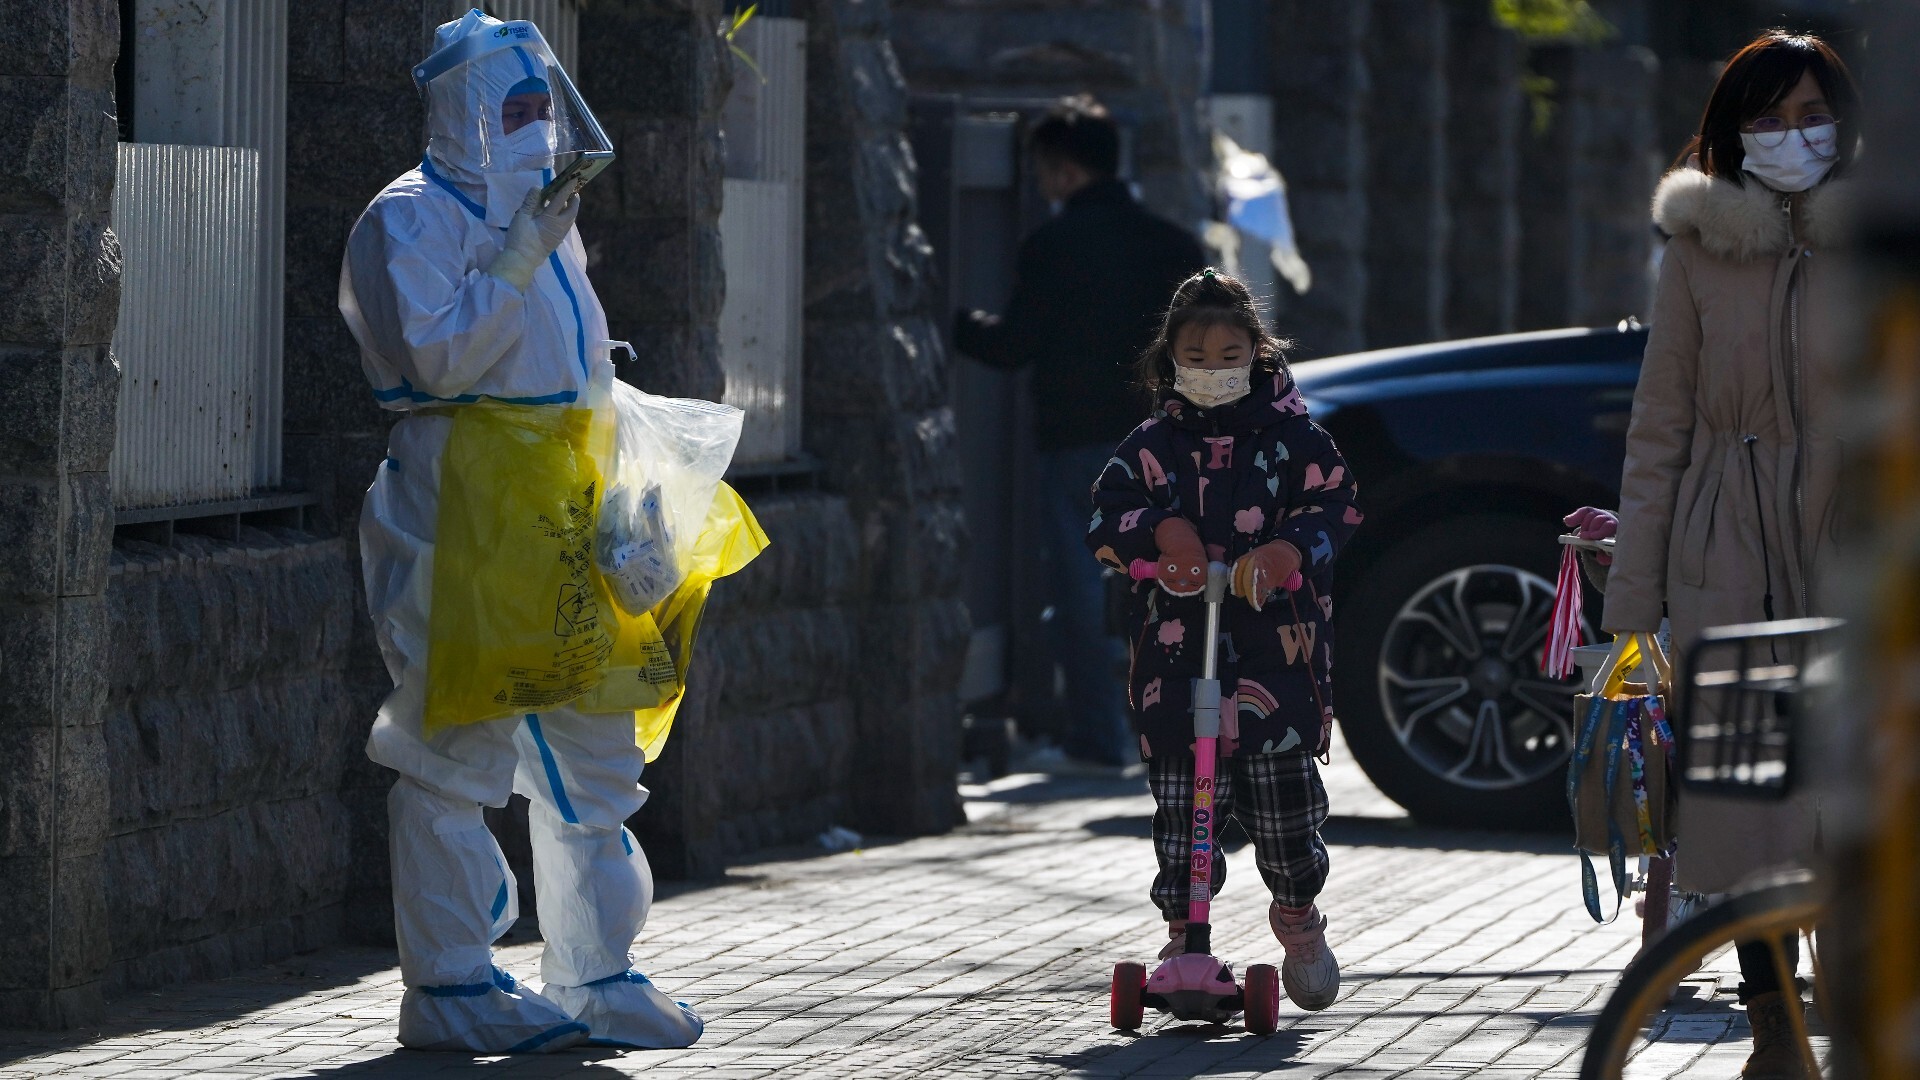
(1744, 221)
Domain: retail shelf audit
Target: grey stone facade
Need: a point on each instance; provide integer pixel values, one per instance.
(1427, 202)
(60, 272)
(1486, 111)
(1408, 216)
(877, 403)
(1320, 145)
(231, 727)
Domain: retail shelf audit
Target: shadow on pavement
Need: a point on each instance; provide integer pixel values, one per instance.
(584, 1062)
(1408, 833)
(1376, 832)
(194, 1005)
(1202, 1050)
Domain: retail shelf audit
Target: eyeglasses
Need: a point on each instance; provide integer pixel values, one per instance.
(1771, 131)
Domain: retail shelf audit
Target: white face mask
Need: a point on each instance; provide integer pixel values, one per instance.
(530, 146)
(1213, 387)
(1799, 162)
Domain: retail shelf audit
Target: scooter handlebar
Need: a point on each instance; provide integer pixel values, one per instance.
(1149, 570)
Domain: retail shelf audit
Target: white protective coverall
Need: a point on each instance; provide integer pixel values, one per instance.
(435, 330)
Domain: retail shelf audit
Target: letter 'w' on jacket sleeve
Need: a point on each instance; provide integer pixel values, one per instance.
(1659, 448)
(1130, 498)
(1323, 509)
(441, 323)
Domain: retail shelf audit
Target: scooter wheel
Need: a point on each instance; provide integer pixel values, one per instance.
(1263, 999)
(1123, 1003)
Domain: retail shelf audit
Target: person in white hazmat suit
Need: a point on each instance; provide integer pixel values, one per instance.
(458, 285)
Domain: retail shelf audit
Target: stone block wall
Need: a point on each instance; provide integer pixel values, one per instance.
(1585, 230)
(762, 752)
(60, 272)
(354, 122)
(1408, 219)
(656, 74)
(1320, 72)
(230, 726)
(1486, 111)
(880, 419)
(1426, 200)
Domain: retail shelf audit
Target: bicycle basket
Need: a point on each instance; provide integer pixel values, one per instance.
(1745, 690)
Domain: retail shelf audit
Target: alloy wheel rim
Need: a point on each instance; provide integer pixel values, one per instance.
(1461, 685)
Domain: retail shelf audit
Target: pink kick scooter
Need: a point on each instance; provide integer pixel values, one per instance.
(1196, 985)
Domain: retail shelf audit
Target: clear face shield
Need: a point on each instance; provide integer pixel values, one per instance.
(500, 106)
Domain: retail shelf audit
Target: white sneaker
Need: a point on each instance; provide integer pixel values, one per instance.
(628, 1010)
(497, 1017)
(1310, 973)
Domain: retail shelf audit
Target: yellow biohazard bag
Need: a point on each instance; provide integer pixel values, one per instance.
(518, 621)
(522, 617)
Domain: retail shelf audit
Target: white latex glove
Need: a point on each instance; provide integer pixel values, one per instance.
(533, 235)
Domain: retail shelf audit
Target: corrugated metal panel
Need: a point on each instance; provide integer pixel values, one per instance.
(255, 115)
(762, 233)
(766, 122)
(188, 220)
(558, 20)
(759, 323)
(215, 74)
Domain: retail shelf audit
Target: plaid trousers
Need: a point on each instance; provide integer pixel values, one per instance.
(1277, 798)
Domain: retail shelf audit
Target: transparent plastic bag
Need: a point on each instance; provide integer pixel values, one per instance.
(667, 460)
(653, 651)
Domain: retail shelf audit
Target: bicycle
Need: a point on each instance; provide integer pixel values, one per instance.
(1737, 727)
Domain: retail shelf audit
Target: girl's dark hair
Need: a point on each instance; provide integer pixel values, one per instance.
(1209, 298)
(1756, 77)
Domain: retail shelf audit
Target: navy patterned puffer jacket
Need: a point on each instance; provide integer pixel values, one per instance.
(1245, 473)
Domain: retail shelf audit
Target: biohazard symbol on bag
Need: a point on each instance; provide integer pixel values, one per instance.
(517, 499)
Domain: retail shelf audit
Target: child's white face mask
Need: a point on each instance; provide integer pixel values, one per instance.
(1212, 387)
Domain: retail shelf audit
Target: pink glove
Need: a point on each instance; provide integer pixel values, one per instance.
(1183, 558)
(1593, 523)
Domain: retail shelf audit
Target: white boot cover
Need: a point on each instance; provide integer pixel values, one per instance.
(453, 897)
(628, 1010)
(594, 889)
(498, 1016)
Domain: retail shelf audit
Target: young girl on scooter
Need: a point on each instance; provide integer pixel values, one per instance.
(1231, 469)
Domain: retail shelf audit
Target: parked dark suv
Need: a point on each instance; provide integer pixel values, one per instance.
(1468, 454)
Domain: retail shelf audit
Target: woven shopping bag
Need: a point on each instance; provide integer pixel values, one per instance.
(1621, 779)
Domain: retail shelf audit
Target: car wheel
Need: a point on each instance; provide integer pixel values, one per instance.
(1438, 681)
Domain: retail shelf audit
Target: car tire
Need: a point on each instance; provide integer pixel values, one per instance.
(1451, 559)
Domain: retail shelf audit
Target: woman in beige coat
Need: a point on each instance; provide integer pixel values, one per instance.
(1727, 497)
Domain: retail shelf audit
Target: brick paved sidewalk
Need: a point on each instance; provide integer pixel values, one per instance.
(986, 954)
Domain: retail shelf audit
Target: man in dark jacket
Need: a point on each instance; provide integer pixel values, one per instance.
(1089, 291)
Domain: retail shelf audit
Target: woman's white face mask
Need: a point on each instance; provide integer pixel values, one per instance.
(1211, 387)
(1801, 160)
